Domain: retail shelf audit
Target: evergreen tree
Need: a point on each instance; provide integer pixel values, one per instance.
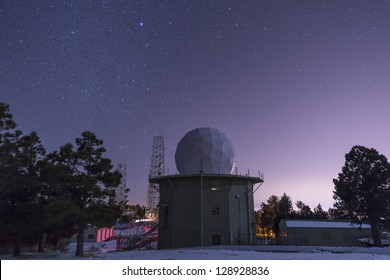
(7, 123)
(91, 188)
(56, 195)
(8, 142)
(363, 188)
(60, 213)
(19, 185)
(8, 171)
(21, 199)
(304, 210)
(272, 212)
(31, 153)
(285, 208)
(269, 214)
(319, 213)
(338, 214)
(257, 215)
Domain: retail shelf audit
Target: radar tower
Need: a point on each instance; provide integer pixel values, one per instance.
(121, 191)
(157, 169)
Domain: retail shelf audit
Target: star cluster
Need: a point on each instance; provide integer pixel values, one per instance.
(293, 84)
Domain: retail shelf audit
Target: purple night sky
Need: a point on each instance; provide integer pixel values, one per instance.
(293, 84)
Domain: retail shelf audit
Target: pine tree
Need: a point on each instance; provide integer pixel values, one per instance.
(8, 141)
(319, 213)
(285, 207)
(304, 210)
(269, 214)
(9, 138)
(31, 153)
(20, 190)
(272, 212)
(363, 188)
(6, 120)
(60, 213)
(91, 188)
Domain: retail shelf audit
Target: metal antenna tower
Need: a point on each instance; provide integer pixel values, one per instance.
(157, 168)
(121, 191)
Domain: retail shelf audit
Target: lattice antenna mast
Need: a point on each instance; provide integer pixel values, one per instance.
(122, 190)
(157, 168)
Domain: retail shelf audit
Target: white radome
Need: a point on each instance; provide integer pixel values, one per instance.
(204, 150)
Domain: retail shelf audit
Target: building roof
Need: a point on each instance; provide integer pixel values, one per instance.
(323, 224)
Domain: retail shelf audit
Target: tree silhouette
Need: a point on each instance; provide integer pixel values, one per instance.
(21, 196)
(91, 188)
(272, 212)
(363, 188)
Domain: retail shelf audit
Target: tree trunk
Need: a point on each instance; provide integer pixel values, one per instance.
(42, 243)
(376, 235)
(17, 248)
(80, 242)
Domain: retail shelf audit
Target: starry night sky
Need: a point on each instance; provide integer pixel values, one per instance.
(293, 84)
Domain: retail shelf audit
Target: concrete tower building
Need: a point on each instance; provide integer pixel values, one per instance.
(205, 204)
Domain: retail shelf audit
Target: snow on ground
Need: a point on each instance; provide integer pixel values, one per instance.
(98, 251)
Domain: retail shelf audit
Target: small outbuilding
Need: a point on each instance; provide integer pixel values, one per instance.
(323, 232)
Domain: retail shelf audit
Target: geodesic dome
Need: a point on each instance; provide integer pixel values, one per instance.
(204, 149)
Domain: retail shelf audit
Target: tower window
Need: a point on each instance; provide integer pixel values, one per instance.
(215, 211)
(216, 240)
